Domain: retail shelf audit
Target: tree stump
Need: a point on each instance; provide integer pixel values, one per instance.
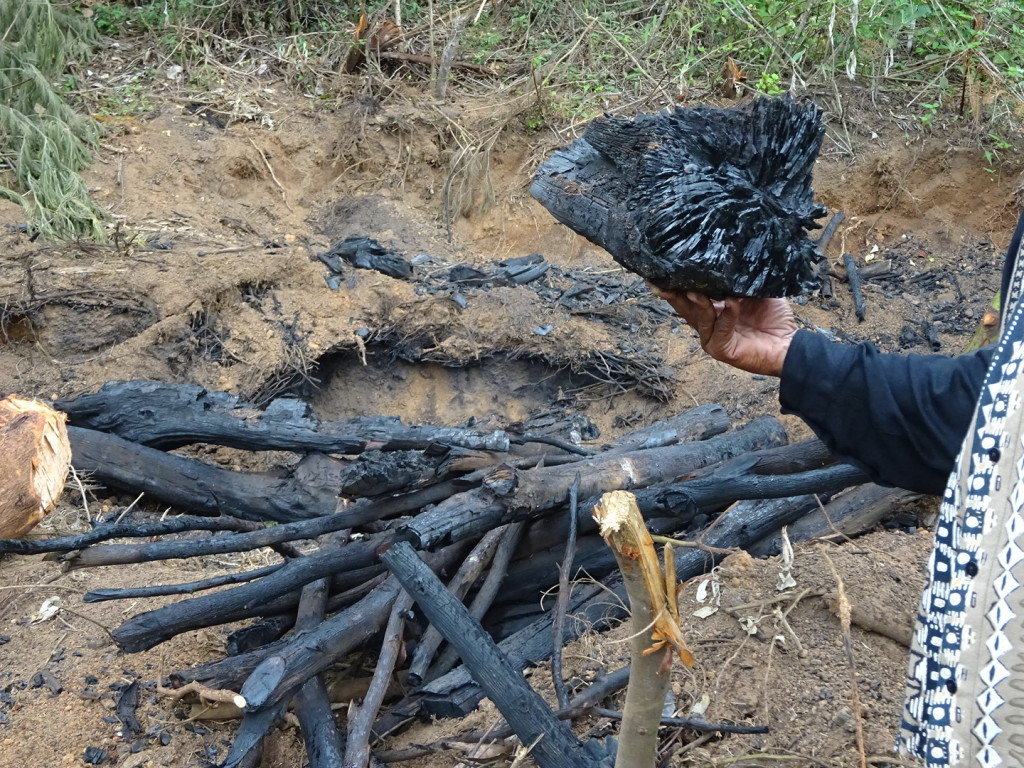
(34, 459)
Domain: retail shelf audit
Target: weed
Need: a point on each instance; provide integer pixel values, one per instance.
(931, 110)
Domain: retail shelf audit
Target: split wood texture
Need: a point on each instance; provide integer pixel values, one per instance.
(34, 460)
(491, 505)
(655, 634)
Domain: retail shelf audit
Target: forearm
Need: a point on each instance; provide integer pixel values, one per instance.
(900, 417)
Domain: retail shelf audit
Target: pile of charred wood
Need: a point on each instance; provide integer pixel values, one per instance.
(376, 512)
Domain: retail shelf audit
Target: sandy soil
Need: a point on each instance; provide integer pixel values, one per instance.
(211, 279)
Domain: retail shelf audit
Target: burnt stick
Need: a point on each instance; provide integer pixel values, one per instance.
(361, 716)
(188, 588)
(357, 514)
(510, 536)
(509, 494)
(324, 746)
(169, 416)
(554, 746)
(150, 628)
(464, 578)
(106, 531)
(856, 286)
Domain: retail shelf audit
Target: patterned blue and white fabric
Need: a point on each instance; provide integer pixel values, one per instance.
(965, 690)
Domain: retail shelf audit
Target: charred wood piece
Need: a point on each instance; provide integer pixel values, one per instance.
(474, 564)
(188, 588)
(508, 494)
(856, 285)
(366, 253)
(554, 746)
(487, 593)
(170, 416)
(828, 232)
(303, 491)
(698, 423)
(362, 716)
(357, 514)
(848, 514)
(106, 531)
(697, 199)
(320, 733)
(150, 628)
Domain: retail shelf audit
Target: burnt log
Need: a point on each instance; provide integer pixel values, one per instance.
(306, 490)
(456, 694)
(352, 515)
(170, 416)
(698, 423)
(848, 514)
(508, 495)
(553, 744)
(150, 628)
(702, 199)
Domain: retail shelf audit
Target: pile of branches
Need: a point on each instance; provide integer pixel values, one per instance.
(375, 512)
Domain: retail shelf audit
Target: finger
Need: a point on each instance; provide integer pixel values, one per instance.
(681, 303)
(725, 327)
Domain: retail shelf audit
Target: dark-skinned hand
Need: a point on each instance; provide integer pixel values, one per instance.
(747, 333)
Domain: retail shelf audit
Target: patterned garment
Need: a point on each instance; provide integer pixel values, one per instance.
(965, 689)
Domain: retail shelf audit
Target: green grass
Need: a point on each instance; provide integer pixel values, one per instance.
(44, 142)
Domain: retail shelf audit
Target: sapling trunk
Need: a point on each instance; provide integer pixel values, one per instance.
(655, 632)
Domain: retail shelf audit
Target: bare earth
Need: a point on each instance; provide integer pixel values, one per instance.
(238, 303)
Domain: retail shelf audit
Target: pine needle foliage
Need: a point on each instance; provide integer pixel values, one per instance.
(44, 143)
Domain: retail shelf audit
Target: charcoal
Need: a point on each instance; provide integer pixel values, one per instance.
(366, 253)
(705, 199)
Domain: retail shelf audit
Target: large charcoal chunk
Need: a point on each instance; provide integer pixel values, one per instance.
(702, 199)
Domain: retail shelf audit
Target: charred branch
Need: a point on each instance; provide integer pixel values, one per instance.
(553, 744)
(509, 495)
(169, 416)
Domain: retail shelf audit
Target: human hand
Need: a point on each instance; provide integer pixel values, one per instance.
(750, 334)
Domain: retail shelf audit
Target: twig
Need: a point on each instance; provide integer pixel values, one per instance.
(187, 588)
(515, 699)
(284, 195)
(558, 625)
(844, 623)
(361, 717)
(458, 585)
(509, 540)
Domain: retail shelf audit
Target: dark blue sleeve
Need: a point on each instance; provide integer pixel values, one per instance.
(901, 418)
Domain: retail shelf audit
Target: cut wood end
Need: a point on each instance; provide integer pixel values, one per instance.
(613, 511)
(35, 457)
